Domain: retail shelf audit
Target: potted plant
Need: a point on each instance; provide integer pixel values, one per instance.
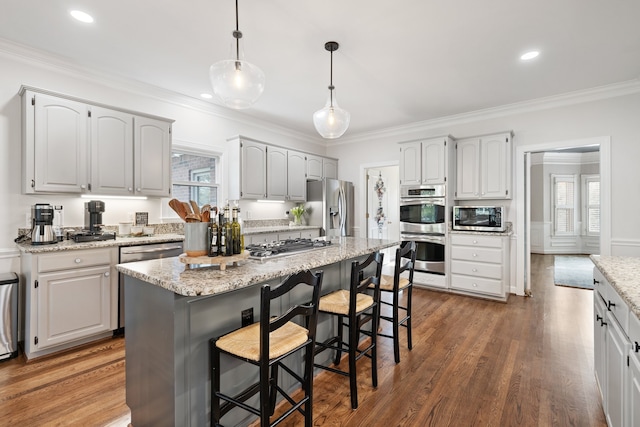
(297, 214)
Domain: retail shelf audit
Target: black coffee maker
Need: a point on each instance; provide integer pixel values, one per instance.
(93, 216)
(42, 224)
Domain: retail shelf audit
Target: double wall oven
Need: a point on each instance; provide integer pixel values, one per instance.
(422, 220)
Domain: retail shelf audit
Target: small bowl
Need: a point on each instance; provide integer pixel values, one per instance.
(137, 230)
(148, 230)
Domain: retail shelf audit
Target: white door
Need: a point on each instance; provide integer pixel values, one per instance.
(383, 210)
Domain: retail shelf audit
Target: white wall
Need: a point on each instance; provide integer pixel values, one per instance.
(197, 124)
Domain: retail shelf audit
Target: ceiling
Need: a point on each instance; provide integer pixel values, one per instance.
(398, 62)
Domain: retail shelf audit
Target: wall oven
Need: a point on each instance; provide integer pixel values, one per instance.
(422, 220)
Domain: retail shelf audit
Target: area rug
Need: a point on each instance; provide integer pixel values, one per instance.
(573, 270)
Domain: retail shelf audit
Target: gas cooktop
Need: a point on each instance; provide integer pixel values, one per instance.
(284, 247)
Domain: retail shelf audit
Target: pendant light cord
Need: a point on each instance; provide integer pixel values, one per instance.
(330, 80)
(237, 34)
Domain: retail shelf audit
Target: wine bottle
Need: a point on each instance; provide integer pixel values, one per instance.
(222, 239)
(213, 248)
(228, 231)
(235, 231)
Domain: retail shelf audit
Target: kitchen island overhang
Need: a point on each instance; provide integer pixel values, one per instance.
(171, 312)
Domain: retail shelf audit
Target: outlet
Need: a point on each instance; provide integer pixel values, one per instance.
(247, 317)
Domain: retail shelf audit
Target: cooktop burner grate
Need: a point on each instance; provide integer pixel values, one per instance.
(284, 247)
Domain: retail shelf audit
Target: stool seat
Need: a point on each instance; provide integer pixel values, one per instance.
(386, 283)
(245, 342)
(338, 302)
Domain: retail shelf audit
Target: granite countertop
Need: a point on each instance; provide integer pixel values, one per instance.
(70, 245)
(623, 273)
(274, 229)
(172, 274)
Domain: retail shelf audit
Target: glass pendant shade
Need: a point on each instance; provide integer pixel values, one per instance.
(237, 83)
(332, 121)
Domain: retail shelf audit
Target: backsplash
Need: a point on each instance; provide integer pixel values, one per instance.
(256, 223)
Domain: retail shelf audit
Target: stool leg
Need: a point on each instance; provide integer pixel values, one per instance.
(396, 327)
(215, 385)
(374, 344)
(308, 386)
(409, 291)
(353, 345)
(336, 360)
(265, 387)
(274, 391)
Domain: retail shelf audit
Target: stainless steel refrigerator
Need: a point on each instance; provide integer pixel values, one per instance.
(330, 206)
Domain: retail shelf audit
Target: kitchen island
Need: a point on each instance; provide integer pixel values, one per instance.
(171, 312)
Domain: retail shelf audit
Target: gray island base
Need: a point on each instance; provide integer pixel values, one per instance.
(172, 312)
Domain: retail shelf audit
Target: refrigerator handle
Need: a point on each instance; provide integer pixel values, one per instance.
(341, 201)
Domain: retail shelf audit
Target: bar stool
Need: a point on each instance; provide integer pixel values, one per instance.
(405, 260)
(354, 309)
(265, 344)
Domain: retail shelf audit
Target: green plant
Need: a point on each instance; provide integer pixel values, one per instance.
(297, 211)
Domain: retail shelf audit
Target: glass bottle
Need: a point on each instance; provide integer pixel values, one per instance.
(235, 230)
(222, 239)
(228, 231)
(213, 248)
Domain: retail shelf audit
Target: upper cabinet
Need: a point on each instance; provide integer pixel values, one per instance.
(483, 167)
(319, 167)
(73, 146)
(424, 162)
(261, 171)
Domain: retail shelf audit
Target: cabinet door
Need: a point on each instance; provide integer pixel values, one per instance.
(467, 169)
(111, 152)
(330, 168)
(254, 170)
(314, 167)
(152, 157)
(599, 343)
(410, 168)
(296, 176)
(495, 170)
(276, 173)
(73, 304)
(634, 390)
(60, 145)
(434, 161)
(616, 360)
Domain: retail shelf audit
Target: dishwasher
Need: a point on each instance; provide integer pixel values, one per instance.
(141, 253)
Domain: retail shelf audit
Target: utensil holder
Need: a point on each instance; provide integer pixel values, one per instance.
(195, 239)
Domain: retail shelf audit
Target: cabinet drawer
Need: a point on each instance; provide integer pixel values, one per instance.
(288, 235)
(476, 284)
(616, 307)
(310, 234)
(75, 259)
(471, 240)
(467, 253)
(252, 239)
(491, 271)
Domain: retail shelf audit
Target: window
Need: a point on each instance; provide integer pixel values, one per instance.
(195, 177)
(564, 205)
(591, 205)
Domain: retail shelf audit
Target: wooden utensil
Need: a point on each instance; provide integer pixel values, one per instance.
(205, 215)
(195, 208)
(192, 218)
(176, 205)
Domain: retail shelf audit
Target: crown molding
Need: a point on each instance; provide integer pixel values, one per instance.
(59, 64)
(409, 130)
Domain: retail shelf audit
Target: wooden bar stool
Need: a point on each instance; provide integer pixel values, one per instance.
(405, 261)
(355, 308)
(265, 344)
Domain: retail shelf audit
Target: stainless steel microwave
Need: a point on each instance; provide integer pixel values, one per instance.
(479, 218)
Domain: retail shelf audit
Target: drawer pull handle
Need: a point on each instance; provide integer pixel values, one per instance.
(474, 270)
(596, 282)
(636, 347)
(601, 320)
(78, 260)
(475, 254)
(475, 242)
(106, 274)
(475, 285)
(609, 305)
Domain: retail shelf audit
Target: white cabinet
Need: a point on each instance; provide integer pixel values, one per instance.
(276, 173)
(73, 146)
(71, 298)
(480, 265)
(424, 162)
(483, 167)
(296, 176)
(599, 343)
(634, 372)
(319, 167)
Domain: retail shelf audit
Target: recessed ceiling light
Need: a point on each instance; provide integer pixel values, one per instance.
(206, 95)
(82, 16)
(530, 55)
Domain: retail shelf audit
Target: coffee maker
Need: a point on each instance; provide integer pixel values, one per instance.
(93, 224)
(42, 232)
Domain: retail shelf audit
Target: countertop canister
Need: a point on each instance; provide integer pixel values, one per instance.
(195, 239)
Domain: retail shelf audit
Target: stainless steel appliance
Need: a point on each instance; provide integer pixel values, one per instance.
(285, 247)
(330, 206)
(141, 253)
(42, 232)
(479, 218)
(92, 231)
(8, 315)
(422, 220)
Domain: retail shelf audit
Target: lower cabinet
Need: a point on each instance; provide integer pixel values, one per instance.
(616, 357)
(480, 265)
(71, 298)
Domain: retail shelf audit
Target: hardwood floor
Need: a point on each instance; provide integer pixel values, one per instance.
(474, 362)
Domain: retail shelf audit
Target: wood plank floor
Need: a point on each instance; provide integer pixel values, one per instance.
(474, 363)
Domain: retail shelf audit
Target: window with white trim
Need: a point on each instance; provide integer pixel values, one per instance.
(591, 204)
(564, 205)
(196, 176)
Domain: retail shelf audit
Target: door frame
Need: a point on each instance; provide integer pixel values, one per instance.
(523, 202)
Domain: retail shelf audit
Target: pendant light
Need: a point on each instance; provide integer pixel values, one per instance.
(332, 121)
(236, 82)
